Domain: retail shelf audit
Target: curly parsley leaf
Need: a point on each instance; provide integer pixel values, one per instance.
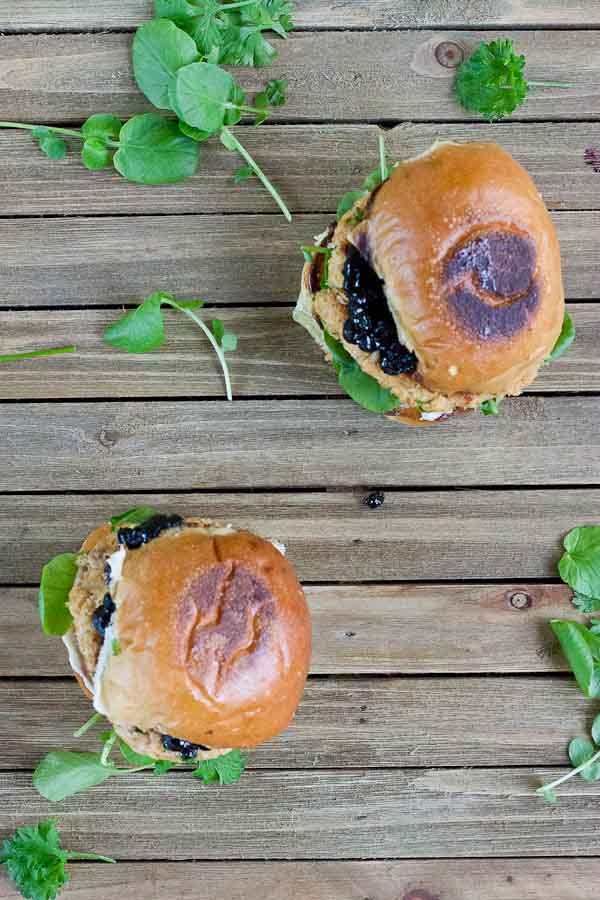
(492, 82)
(363, 389)
(490, 407)
(585, 604)
(564, 340)
(35, 860)
(225, 769)
(58, 576)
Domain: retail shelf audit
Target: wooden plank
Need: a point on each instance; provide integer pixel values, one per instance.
(376, 629)
(274, 358)
(504, 879)
(225, 259)
(332, 536)
(337, 157)
(308, 444)
(350, 76)
(57, 15)
(318, 815)
(347, 723)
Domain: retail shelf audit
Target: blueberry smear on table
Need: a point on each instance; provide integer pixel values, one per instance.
(370, 324)
(133, 538)
(186, 749)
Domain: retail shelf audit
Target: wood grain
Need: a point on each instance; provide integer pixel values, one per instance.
(370, 76)
(275, 358)
(417, 535)
(167, 445)
(321, 814)
(348, 722)
(375, 629)
(244, 259)
(313, 165)
(504, 879)
(57, 15)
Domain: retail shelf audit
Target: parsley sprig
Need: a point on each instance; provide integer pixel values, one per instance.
(492, 81)
(35, 860)
(142, 330)
(177, 61)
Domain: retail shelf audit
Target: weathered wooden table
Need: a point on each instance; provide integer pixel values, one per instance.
(437, 701)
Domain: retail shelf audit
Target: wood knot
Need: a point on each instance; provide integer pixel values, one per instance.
(450, 54)
(439, 57)
(108, 438)
(520, 600)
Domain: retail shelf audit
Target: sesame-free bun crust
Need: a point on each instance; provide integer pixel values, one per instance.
(214, 637)
(471, 265)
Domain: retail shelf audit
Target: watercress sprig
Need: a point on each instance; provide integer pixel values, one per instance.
(34, 354)
(375, 178)
(142, 330)
(491, 81)
(35, 860)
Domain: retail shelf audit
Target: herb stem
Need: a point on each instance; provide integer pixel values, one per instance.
(87, 725)
(382, 161)
(31, 354)
(74, 855)
(235, 144)
(563, 778)
(107, 748)
(69, 131)
(228, 6)
(558, 84)
(211, 338)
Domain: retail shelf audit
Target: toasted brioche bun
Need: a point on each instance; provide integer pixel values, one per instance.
(213, 632)
(471, 268)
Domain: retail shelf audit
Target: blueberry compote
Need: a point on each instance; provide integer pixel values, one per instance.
(151, 528)
(370, 324)
(103, 614)
(186, 749)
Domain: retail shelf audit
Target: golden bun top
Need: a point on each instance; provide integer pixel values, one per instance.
(214, 637)
(471, 265)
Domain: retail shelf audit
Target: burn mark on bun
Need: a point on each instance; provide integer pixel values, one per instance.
(231, 613)
(493, 290)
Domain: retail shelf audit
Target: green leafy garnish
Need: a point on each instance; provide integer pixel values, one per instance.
(585, 757)
(363, 389)
(135, 516)
(490, 407)
(159, 50)
(36, 862)
(87, 726)
(564, 340)
(225, 769)
(585, 604)
(33, 354)
(142, 329)
(115, 647)
(56, 581)
(309, 251)
(579, 566)
(492, 81)
(49, 142)
(582, 650)
(373, 180)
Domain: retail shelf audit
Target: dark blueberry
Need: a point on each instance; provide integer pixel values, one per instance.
(362, 322)
(349, 331)
(151, 528)
(375, 500)
(186, 749)
(101, 619)
(384, 334)
(107, 573)
(356, 305)
(108, 603)
(397, 360)
(366, 342)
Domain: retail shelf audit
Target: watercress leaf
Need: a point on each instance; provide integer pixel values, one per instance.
(154, 151)
(374, 179)
(229, 342)
(56, 581)
(50, 144)
(238, 98)
(199, 95)
(585, 604)
(363, 389)
(491, 82)
(596, 730)
(575, 642)
(163, 765)
(580, 751)
(195, 133)
(579, 566)
(564, 340)
(218, 329)
(187, 304)
(174, 9)
(490, 407)
(243, 173)
(160, 48)
(62, 773)
(548, 795)
(102, 126)
(140, 330)
(134, 516)
(133, 758)
(225, 769)
(347, 202)
(275, 91)
(106, 736)
(95, 154)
